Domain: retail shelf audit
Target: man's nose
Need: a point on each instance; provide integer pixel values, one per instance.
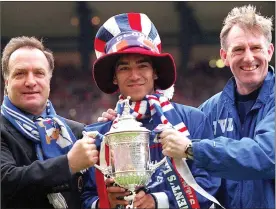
(30, 80)
(248, 56)
(135, 73)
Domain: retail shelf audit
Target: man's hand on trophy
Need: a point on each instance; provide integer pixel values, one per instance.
(110, 114)
(174, 144)
(143, 200)
(83, 154)
(116, 194)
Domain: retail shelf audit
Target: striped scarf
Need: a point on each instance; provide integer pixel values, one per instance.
(51, 136)
(159, 108)
(156, 106)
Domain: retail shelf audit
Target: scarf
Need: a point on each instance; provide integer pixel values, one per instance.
(51, 135)
(161, 111)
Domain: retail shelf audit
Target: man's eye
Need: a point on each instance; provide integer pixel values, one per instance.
(40, 73)
(238, 49)
(143, 66)
(256, 49)
(18, 73)
(122, 68)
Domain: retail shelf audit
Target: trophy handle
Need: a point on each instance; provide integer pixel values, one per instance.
(153, 167)
(105, 171)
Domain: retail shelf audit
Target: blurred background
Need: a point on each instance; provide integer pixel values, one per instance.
(188, 30)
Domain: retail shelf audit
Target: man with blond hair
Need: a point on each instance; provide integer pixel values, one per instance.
(243, 117)
(39, 169)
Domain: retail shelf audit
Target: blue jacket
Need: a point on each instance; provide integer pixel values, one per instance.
(244, 156)
(198, 127)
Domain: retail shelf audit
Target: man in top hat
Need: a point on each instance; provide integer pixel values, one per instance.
(129, 61)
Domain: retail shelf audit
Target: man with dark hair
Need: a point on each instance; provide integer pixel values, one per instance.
(40, 156)
(129, 60)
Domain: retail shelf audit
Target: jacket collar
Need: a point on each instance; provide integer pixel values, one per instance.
(267, 89)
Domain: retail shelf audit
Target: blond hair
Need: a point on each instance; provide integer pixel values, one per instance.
(246, 17)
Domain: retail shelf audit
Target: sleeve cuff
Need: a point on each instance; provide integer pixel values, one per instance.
(200, 159)
(95, 204)
(162, 199)
(197, 154)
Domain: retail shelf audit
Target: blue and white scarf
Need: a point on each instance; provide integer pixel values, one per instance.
(51, 135)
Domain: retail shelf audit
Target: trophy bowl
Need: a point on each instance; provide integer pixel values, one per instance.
(129, 158)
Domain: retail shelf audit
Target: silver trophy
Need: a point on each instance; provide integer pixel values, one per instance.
(129, 157)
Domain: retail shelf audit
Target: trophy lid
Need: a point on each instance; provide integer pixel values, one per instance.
(126, 121)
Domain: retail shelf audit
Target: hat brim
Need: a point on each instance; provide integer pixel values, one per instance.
(103, 69)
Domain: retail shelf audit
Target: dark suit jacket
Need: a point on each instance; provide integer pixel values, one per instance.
(26, 181)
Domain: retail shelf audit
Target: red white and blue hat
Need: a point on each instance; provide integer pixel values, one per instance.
(130, 33)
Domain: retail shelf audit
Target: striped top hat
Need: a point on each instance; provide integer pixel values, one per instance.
(130, 33)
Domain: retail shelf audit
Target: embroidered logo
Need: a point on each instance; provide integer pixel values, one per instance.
(54, 131)
(224, 125)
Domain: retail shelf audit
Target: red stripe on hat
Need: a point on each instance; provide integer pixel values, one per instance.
(151, 107)
(134, 20)
(182, 129)
(99, 45)
(159, 47)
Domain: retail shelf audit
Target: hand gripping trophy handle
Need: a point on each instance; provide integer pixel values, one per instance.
(105, 170)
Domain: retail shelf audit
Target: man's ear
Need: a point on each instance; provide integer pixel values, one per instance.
(270, 51)
(6, 86)
(155, 76)
(223, 56)
(115, 81)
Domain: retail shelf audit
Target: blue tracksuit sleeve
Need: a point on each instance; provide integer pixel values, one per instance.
(200, 128)
(89, 194)
(244, 159)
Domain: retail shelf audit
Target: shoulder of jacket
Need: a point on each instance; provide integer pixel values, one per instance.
(5, 124)
(183, 107)
(187, 110)
(76, 127)
(72, 123)
(211, 103)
